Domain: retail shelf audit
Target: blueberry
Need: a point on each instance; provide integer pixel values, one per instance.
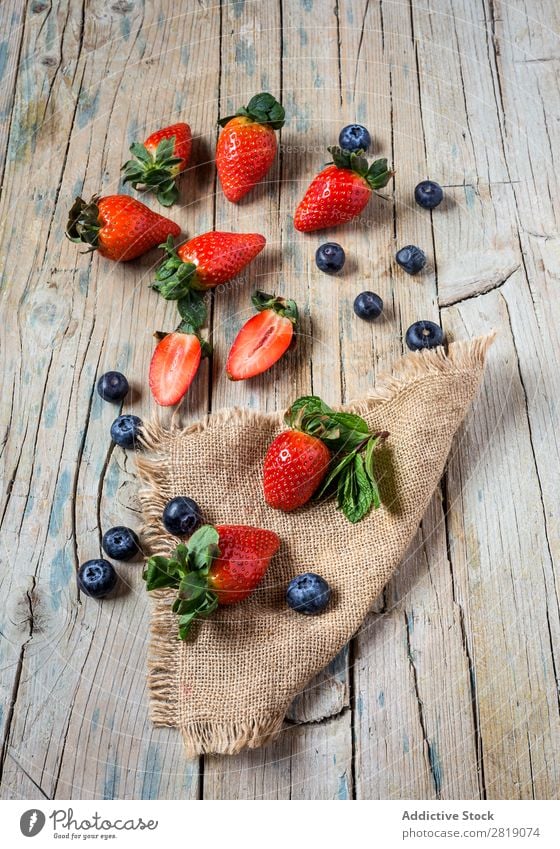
(368, 305)
(411, 259)
(308, 593)
(97, 578)
(330, 257)
(354, 137)
(181, 516)
(428, 194)
(424, 334)
(120, 543)
(112, 386)
(125, 430)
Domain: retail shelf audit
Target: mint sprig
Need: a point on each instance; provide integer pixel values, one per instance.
(187, 572)
(351, 476)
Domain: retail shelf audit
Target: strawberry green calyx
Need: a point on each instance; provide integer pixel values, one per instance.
(156, 172)
(83, 223)
(377, 175)
(262, 108)
(283, 306)
(186, 571)
(351, 473)
(174, 278)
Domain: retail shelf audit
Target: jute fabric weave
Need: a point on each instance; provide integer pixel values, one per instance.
(230, 685)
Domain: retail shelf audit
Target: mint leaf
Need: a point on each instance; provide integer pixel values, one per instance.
(192, 308)
(370, 470)
(192, 586)
(203, 547)
(161, 572)
(357, 491)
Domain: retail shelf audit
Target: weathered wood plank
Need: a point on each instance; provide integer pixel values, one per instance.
(80, 725)
(309, 88)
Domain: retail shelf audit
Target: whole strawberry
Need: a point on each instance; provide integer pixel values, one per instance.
(340, 191)
(158, 162)
(204, 262)
(118, 226)
(247, 146)
(324, 453)
(294, 467)
(218, 566)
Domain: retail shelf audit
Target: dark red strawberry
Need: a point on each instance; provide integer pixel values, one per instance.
(247, 145)
(219, 565)
(118, 226)
(159, 161)
(340, 191)
(205, 261)
(174, 364)
(264, 338)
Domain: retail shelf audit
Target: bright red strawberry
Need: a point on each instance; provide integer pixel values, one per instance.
(205, 261)
(245, 555)
(264, 338)
(174, 364)
(294, 467)
(340, 191)
(247, 146)
(118, 226)
(217, 566)
(159, 161)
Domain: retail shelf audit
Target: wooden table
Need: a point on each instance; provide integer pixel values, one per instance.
(450, 690)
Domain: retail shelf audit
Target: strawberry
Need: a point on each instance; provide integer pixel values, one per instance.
(294, 467)
(118, 226)
(247, 146)
(245, 554)
(340, 191)
(158, 162)
(174, 364)
(264, 338)
(219, 565)
(204, 262)
(322, 447)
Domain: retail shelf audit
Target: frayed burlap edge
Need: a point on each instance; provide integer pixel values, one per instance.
(163, 657)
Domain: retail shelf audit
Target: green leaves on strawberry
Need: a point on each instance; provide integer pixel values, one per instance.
(262, 108)
(377, 175)
(351, 476)
(157, 163)
(187, 572)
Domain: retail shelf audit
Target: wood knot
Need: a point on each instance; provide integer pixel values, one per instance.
(49, 61)
(39, 7)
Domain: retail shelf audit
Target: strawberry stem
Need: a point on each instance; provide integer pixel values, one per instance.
(83, 222)
(156, 172)
(263, 108)
(377, 175)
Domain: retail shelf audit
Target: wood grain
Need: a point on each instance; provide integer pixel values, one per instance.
(451, 688)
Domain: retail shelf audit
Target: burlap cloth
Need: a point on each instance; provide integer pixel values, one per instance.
(230, 685)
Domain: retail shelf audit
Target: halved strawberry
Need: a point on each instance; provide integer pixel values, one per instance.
(264, 338)
(174, 364)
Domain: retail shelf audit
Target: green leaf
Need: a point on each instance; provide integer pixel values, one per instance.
(140, 152)
(192, 308)
(192, 586)
(334, 474)
(165, 148)
(203, 547)
(357, 493)
(161, 572)
(370, 470)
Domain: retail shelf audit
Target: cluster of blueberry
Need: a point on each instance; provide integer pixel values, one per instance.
(330, 257)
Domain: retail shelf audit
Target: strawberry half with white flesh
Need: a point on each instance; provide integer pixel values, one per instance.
(177, 356)
(264, 338)
(218, 566)
(159, 161)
